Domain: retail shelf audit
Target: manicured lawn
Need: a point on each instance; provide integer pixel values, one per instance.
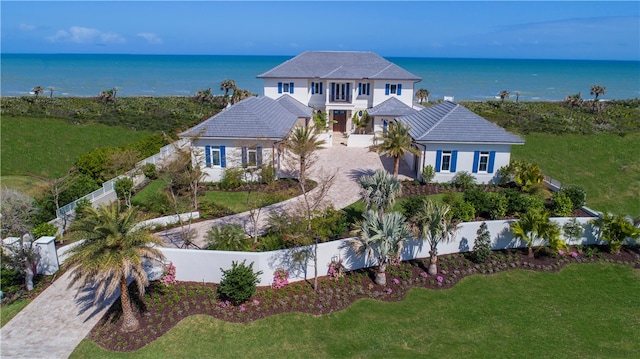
(7, 312)
(235, 201)
(49, 147)
(584, 311)
(606, 166)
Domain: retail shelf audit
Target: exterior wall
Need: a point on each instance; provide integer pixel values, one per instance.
(233, 154)
(464, 159)
(355, 140)
(378, 89)
(301, 91)
(204, 265)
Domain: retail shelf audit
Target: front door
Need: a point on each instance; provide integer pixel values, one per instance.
(339, 121)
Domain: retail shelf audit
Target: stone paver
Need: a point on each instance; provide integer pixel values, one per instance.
(347, 163)
(53, 324)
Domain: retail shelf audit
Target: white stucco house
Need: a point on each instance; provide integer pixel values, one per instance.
(345, 85)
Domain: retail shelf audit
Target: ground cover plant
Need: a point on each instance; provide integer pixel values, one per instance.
(478, 316)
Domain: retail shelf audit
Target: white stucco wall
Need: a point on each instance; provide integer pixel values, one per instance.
(233, 156)
(378, 89)
(465, 159)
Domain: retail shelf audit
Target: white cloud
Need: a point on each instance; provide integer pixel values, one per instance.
(27, 27)
(150, 37)
(85, 35)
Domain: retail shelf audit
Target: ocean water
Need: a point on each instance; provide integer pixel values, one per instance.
(183, 75)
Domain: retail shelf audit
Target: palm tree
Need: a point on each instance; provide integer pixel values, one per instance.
(226, 86)
(503, 94)
(381, 239)
(597, 90)
(379, 191)
(106, 97)
(517, 93)
(51, 90)
(396, 142)
(37, 90)
(113, 250)
(573, 101)
(533, 226)
(433, 223)
(303, 142)
(422, 94)
(240, 94)
(203, 96)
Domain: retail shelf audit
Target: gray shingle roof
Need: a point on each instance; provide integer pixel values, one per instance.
(450, 122)
(295, 107)
(339, 65)
(391, 107)
(254, 117)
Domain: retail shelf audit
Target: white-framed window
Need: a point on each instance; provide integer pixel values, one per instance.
(340, 92)
(364, 89)
(252, 157)
(216, 157)
(483, 162)
(393, 89)
(445, 162)
(316, 88)
(285, 87)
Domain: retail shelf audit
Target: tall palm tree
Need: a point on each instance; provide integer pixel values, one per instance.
(303, 143)
(396, 142)
(202, 97)
(422, 94)
(106, 97)
(51, 90)
(226, 86)
(597, 90)
(533, 226)
(37, 90)
(573, 101)
(381, 239)
(240, 94)
(503, 94)
(379, 191)
(433, 223)
(114, 248)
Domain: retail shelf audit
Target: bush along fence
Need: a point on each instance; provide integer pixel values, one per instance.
(107, 193)
(193, 265)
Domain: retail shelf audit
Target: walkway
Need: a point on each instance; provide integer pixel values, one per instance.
(53, 324)
(347, 163)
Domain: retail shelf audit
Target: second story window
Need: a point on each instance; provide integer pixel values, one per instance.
(363, 89)
(285, 87)
(393, 89)
(340, 92)
(316, 88)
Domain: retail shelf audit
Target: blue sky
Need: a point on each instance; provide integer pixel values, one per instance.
(471, 29)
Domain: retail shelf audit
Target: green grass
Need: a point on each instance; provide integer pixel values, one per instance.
(584, 311)
(606, 166)
(8, 311)
(50, 147)
(28, 185)
(235, 201)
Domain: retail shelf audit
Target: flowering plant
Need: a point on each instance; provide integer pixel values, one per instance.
(336, 269)
(280, 278)
(168, 274)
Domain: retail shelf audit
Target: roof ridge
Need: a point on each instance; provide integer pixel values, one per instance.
(331, 72)
(442, 119)
(386, 67)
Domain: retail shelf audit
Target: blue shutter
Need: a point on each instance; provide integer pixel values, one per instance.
(368, 88)
(438, 160)
(492, 157)
(321, 88)
(279, 87)
(454, 159)
(313, 88)
(290, 87)
(385, 126)
(359, 88)
(348, 92)
(223, 157)
(476, 159)
(259, 153)
(333, 91)
(399, 89)
(244, 155)
(207, 155)
(386, 89)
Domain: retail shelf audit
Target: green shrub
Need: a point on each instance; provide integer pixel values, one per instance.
(487, 204)
(150, 171)
(497, 205)
(228, 237)
(464, 180)
(123, 187)
(238, 284)
(80, 205)
(463, 211)
(45, 229)
(411, 205)
(576, 194)
(561, 205)
(271, 242)
(427, 174)
(482, 246)
(519, 203)
(267, 173)
(232, 178)
(213, 210)
(573, 230)
(159, 202)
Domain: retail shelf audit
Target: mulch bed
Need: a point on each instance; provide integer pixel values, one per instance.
(162, 307)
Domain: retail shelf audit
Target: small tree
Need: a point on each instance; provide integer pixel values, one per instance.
(482, 246)
(228, 237)
(597, 90)
(434, 225)
(427, 174)
(37, 90)
(379, 191)
(503, 95)
(614, 230)
(561, 205)
(573, 101)
(238, 284)
(202, 97)
(395, 143)
(464, 180)
(51, 90)
(422, 95)
(124, 189)
(573, 230)
(534, 226)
